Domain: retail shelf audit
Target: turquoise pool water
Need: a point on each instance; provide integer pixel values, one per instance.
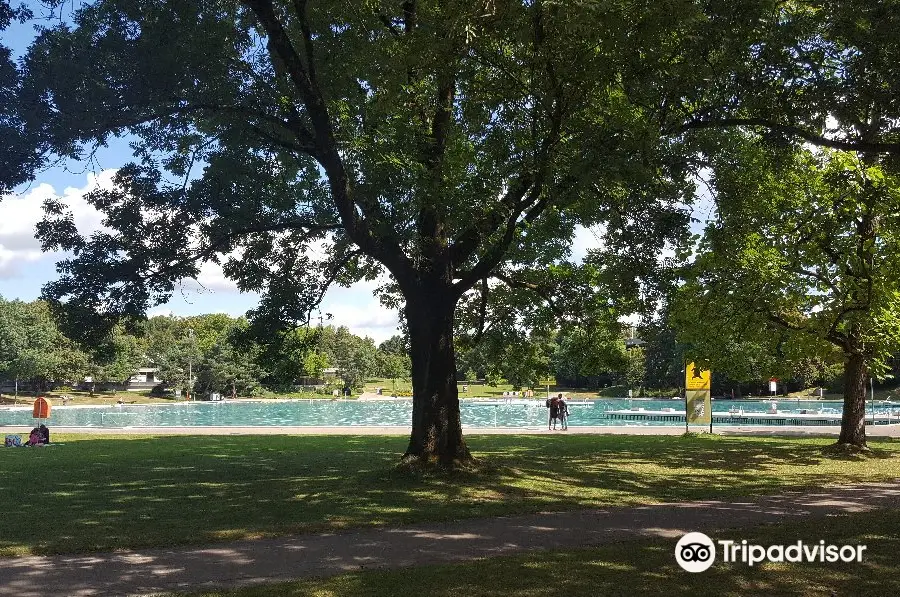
(361, 413)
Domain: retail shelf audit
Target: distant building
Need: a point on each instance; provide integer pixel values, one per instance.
(145, 375)
(146, 378)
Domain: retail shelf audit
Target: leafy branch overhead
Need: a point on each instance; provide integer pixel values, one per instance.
(290, 134)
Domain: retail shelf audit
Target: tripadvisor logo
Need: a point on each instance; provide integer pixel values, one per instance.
(696, 552)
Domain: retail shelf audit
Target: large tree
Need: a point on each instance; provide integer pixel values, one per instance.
(115, 359)
(32, 348)
(228, 368)
(823, 75)
(803, 260)
(306, 143)
(174, 350)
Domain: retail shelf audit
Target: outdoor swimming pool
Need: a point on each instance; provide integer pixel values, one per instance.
(351, 413)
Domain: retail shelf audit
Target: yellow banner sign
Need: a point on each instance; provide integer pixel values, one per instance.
(698, 406)
(696, 378)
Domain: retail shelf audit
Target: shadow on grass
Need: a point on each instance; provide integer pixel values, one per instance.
(639, 568)
(104, 494)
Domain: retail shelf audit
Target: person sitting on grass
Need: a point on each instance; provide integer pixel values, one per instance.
(39, 436)
(34, 438)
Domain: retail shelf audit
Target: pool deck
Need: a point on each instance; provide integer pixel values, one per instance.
(759, 430)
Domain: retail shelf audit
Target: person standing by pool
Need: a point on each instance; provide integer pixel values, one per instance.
(563, 412)
(553, 405)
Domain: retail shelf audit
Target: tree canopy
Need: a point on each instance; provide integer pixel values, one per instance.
(803, 260)
(302, 144)
(19, 155)
(33, 349)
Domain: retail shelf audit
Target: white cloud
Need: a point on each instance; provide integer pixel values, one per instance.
(88, 219)
(20, 212)
(584, 240)
(211, 277)
(358, 308)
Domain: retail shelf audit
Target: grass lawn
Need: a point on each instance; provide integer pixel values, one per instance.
(81, 398)
(404, 387)
(639, 568)
(813, 394)
(102, 493)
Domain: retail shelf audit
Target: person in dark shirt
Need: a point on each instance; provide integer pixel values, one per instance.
(44, 433)
(563, 412)
(553, 405)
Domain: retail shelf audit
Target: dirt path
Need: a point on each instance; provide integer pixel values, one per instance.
(239, 563)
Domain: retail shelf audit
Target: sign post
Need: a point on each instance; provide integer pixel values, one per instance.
(549, 381)
(697, 406)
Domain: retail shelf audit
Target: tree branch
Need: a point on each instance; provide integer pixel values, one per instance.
(524, 194)
(384, 248)
(794, 131)
(333, 274)
(300, 9)
(538, 290)
(482, 311)
(390, 26)
(123, 118)
(216, 245)
(431, 224)
(818, 277)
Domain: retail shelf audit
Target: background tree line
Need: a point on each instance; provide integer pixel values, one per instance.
(222, 355)
(225, 358)
(219, 352)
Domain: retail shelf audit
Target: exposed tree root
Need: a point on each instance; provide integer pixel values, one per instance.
(846, 450)
(419, 465)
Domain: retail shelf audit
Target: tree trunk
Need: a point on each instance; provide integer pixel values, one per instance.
(853, 421)
(436, 431)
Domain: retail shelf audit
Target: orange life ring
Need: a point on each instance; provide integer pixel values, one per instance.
(41, 409)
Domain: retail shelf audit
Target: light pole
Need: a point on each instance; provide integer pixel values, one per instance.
(872, 394)
(190, 395)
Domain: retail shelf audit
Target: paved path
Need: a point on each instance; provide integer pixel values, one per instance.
(248, 562)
